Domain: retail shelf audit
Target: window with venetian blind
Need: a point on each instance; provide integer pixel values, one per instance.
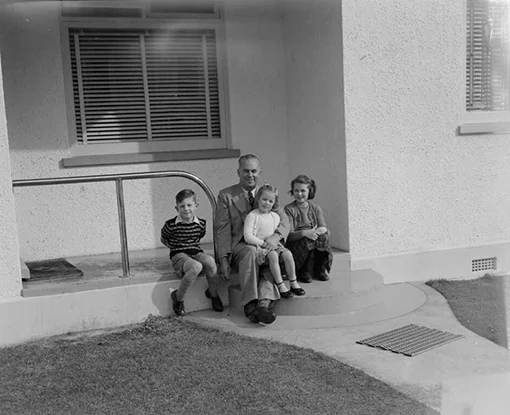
(146, 84)
(488, 55)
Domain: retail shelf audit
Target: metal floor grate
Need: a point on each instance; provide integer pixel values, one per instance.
(410, 340)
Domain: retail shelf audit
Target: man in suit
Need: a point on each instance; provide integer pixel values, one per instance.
(234, 203)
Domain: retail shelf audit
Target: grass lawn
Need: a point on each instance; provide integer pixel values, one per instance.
(170, 366)
(478, 304)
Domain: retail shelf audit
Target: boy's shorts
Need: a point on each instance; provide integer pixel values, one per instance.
(178, 261)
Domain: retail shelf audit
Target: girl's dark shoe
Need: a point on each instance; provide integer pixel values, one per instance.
(323, 276)
(305, 277)
(285, 294)
(177, 305)
(320, 272)
(296, 290)
(217, 304)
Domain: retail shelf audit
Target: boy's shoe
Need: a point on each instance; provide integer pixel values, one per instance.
(217, 304)
(177, 305)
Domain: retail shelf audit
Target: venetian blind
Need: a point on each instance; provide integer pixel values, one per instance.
(142, 85)
(488, 57)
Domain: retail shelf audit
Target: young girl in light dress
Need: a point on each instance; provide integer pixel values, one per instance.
(262, 223)
(308, 239)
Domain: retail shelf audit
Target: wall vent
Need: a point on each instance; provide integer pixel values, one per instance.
(483, 264)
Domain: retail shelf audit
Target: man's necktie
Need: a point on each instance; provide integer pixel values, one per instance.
(251, 200)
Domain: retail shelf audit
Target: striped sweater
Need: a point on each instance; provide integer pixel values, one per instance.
(183, 237)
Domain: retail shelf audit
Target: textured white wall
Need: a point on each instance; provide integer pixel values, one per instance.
(82, 219)
(414, 185)
(10, 273)
(313, 40)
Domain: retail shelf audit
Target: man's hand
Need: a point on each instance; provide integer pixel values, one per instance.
(271, 242)
(224, 269)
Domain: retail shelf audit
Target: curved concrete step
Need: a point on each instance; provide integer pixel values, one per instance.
(393, 300)
(345, 292)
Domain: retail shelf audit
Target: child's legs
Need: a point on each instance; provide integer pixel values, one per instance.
(189, 269)
(290, 267)
(274, 266)
(210, 269)
(323, 257)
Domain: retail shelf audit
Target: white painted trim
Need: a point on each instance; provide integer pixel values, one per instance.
(153, 146)
(484, 128)
(449, 264)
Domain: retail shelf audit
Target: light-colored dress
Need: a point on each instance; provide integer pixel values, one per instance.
(257, 227)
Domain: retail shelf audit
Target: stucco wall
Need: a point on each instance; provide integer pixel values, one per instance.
(82, 219)
(313, 40)
(414, 184)
(10, 277)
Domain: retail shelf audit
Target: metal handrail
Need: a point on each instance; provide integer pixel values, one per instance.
(118, 178)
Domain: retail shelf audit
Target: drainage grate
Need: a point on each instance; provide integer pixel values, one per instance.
(410, 340)
(483, 264)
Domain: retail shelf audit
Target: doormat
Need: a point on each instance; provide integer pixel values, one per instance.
(53, 269)
(410, 340)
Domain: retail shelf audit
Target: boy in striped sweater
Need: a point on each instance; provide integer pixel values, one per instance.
(182, 235)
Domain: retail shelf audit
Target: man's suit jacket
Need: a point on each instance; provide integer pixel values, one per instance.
(231, 211)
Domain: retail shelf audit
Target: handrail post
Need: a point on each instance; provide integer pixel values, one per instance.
(122, 227)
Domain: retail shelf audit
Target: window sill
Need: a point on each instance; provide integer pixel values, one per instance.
(484, 128)
(137, 158)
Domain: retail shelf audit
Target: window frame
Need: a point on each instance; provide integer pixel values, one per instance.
(215, 23)
(478, 122)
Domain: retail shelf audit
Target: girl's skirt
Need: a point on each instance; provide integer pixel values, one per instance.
(302, 247)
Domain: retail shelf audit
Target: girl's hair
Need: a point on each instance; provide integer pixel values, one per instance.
(268, 188)
(304, 179)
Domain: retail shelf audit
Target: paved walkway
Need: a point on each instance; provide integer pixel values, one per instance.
(468, 376)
